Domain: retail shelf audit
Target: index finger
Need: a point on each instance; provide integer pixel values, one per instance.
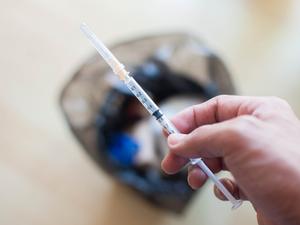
(217, 109)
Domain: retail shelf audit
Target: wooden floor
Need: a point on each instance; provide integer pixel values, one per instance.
(45, 177)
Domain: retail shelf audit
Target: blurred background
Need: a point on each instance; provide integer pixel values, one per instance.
(45, 176)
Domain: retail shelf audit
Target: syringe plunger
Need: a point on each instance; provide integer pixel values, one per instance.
(117, 67)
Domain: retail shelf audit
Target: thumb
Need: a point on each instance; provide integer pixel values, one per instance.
(208, 141)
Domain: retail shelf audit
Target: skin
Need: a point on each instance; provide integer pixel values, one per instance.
(257, 139)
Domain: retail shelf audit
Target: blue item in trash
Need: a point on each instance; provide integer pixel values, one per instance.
(122, 149)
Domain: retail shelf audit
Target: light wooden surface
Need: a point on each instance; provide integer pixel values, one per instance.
(45, 177)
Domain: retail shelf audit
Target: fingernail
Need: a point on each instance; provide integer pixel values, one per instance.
(175, 139)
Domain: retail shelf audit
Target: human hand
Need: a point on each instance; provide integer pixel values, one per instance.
(257, 139)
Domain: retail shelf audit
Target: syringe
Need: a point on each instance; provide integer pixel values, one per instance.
(152, 108)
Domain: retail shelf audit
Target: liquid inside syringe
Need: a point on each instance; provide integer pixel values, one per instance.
(152, 108)
(148, 103)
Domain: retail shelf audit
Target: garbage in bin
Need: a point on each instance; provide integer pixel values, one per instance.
(116, 130)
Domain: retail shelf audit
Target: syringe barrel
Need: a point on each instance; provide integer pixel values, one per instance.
(148, 103)
(141, 95)
(167, 125)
